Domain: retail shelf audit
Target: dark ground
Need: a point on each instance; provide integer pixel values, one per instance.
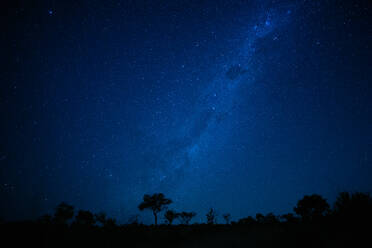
(26, 234)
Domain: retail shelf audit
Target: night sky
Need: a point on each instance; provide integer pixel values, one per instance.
(243, 106)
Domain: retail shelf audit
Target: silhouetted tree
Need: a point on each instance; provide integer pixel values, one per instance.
(170, 216)
(270, 218)
(85, 218)
(101, 218)
(290, 218)
(63, 213)
(312, 207)
(105, 222)
(186, 217)
(211, 216)
(247, 221)
(227, 217)
(355, 207)
(156, 202)
(260, 218)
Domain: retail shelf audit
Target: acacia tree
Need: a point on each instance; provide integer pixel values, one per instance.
(211, 216)
(227, 218)
(156, 203)
(170, 216)
(186, 217)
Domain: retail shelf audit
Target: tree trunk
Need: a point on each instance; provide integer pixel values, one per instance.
(156, 219)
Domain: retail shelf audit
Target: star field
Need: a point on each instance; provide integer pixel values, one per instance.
(243, 106)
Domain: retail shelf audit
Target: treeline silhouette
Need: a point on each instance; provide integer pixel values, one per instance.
(314, 223)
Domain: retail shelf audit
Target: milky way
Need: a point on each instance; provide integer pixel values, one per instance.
(185, 157)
